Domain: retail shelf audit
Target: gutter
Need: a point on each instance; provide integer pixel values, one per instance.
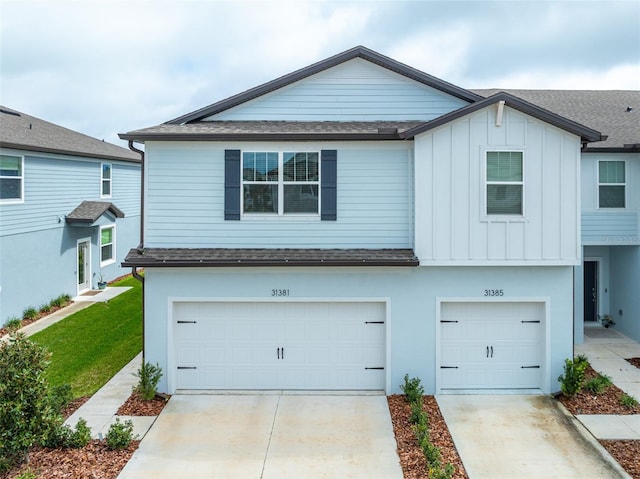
(134, 270)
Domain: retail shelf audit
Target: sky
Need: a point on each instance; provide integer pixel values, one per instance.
(103, 67)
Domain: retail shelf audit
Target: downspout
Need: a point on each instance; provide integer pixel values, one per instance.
(134, 270)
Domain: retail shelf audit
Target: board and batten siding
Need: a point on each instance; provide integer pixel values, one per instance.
(451, 225)
(356, 90)
(54, 185)
(610, 226)
(185, 199)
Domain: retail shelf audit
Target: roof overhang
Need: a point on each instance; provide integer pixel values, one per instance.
(267, 257)
(88, 213)
(586, 134)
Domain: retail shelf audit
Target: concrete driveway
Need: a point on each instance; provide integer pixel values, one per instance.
(504, 437)
(268, 437)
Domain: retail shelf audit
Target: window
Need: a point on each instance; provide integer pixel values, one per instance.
(105, 183)
(611, 184)
(11, 179)
(504, 175)
(280, 183)
(107, 245)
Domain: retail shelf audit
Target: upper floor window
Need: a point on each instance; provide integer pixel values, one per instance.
(105, 180)
(504, 183)
(611, 184)
(280, 183)
(11, 179)
(107, 245)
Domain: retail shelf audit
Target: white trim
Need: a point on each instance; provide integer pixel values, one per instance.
(171, 352)
(545, 384)
(113, 245)
(103, 179)
(484, 216)
(598, 184)
(87, 273)
(15, 201)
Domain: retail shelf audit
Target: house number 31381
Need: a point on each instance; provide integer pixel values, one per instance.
(494, 292)
(279, 292)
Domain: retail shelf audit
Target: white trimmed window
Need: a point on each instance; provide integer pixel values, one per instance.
(107, 245)
(280, 183)
(105, 180)
(504, 183)
(11, 179)
(611, 184)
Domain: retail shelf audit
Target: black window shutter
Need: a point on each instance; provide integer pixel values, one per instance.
(231, 184)
(328, 182)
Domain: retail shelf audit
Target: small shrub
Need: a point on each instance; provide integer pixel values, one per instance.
(62, 436)
(573, 378)
(60, 396)
(412, 389)
(119, 435)
(148, 376)
(432, 454)
(28, 473)
(599, 384)
(416, 411)
(81, 435)
(628, 401)
(60, 301)
(442, 473)
(421, 430)
(30, 313)
(13, 324)
(45, 308)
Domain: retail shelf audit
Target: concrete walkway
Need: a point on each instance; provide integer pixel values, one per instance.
(607, 350)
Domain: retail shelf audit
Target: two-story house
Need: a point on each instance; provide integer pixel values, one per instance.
(69, 211)
(357, 220)
(608, 283)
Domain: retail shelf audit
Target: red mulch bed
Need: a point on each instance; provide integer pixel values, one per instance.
(94, 461)
(634, 361)
(586, 402)
(136, 406)
(412, 460)
(627, 453)
(40, 315)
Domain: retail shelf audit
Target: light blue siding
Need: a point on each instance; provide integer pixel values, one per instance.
(38, 255)
(606, 228)
(353, 91)
(411, 295)
(185, 206)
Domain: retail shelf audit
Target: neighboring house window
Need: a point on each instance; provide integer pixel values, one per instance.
(11, 179)
(107, 245)
(105, 177)
(504, 183)
(611, 184)
(280, 183)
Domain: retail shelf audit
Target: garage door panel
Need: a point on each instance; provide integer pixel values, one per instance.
(280, 345)
(489, 345)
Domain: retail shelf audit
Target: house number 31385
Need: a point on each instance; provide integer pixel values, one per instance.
(494, 292)
(279, 292)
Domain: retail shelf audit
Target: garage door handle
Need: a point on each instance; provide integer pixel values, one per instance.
(186, 322)
(529, 367)
(491, 351)
(375, 368)
(278, 352)
(374, 322)
(186, 367)
(529, 321)
(448, 367)
(487, 351)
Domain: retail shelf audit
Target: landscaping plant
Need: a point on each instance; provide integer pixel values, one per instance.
(30, 313)
(628, 401)
(599, 384)
(26, 414)
(412, 389)
(148, 376)
(574, 373)
(119, 435)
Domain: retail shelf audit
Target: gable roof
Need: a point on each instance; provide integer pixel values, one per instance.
(356, 52)
(602, 110)
(88, 212)
(25, 132)
(587, 134)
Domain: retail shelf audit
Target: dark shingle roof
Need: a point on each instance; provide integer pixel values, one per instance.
(275, 130)
(25, 132)
(176, 257)
(88, 212)
(601, 110)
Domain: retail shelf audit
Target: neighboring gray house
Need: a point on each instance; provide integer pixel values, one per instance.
(608, 283)
(357, 220)
(69, 211)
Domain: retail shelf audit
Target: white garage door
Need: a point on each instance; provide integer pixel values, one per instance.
(491, 345)
(324, 346)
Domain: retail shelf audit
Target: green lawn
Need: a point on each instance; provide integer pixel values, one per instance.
(90, 346)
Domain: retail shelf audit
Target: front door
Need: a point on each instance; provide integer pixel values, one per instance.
(84, 265)
(590, 290)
